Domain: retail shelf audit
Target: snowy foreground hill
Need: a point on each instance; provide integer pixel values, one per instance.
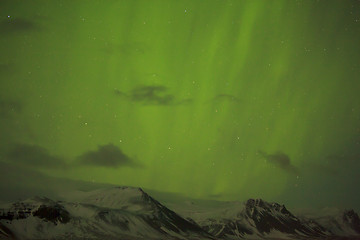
(129, 213)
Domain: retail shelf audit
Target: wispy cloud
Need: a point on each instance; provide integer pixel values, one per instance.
(107, 156)
(152, 95)
(13, 25)
(33, 156)
(280, 160)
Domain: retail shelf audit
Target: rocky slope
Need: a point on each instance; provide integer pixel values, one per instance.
(131, 213)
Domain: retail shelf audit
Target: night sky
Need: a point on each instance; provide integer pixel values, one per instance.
(222, 100)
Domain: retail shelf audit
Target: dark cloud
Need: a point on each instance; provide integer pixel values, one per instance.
(107, 156)
(121, 94)
(8, 108)
(33, 156)
(280, 160)
(12, 25)
(225, 97)
(151, 95)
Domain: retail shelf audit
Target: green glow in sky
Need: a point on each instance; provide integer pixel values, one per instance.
(212, 99)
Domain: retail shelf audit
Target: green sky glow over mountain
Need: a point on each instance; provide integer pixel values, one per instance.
(212, 99)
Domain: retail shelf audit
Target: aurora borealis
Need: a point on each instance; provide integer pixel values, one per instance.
(212, 99)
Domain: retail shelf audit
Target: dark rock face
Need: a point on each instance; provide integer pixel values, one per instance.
(155, 215)
(53, 214)
(225, 228)
(273, 216)
(6, 215)
(255, 217)
(109, 218)
(163, 217)
(251, 204)
(5, 233)
(351, 218)
(19, 214)
(260, 218)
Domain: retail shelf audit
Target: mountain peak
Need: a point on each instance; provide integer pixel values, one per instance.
(255, 202)
(121, 197)
(250, 203)
(253, 206)
(124, 212)
(129, 211)
(351, 213)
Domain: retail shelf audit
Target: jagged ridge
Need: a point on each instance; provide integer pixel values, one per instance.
(121, 211)
(131, 213)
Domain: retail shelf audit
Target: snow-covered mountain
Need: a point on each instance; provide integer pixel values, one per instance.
(254, 219)
(340, 223)
(257, 219)
(115, 213)
(130, 213)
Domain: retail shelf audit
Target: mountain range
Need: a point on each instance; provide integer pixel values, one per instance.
(129, 213)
